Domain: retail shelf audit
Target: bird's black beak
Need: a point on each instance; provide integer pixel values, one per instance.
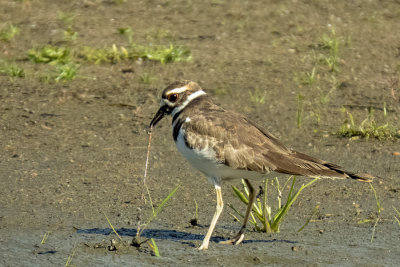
(159, 115)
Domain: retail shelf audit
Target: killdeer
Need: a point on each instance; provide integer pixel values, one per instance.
(223, 145)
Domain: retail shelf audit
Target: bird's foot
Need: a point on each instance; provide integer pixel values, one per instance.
(203, 246)
(237, 239)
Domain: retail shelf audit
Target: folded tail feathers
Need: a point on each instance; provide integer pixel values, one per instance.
(329, 170)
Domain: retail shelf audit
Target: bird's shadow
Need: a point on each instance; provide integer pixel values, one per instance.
(172, 235)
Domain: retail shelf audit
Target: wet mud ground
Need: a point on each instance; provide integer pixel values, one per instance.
(73, 151)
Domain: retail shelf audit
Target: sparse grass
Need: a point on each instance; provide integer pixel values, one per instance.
(11, 70)
(66, 18)
(262, 213)
(300, 110)
(127, 31)
(392, 83)
(308, 78)
(67, 59)
(379, 209)
(320, 84)
(368, 128)
(155, 53)
(258, 96)
(112, 227)
(70, 257)
(155, 212)
(331, 43)
(147, 78)
(45, 236)
(8, 32)
(158, 35)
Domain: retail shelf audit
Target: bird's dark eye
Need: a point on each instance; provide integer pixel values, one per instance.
(173, 97)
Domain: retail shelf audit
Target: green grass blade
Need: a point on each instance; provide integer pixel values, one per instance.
(160, 207)
(235, 210)
(154, 247)
(378, 203)
(309, 219)
(240, 195)
(282, 211)
(398, 214)
(112, 227)
(291, 199)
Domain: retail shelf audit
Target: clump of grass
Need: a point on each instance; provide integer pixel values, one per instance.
(66, 72)
(60, 57)
(49, 54)
(8, 32)
(258, 96)
(70, 35)
(262, 216)
(110, 55)
(12, 70)
(368, 128)
(163, 54)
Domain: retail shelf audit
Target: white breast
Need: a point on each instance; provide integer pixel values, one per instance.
(205, 161)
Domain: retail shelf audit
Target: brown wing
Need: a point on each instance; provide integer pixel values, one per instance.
(241, 144)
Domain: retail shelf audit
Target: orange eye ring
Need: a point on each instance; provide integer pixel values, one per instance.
(173, 97)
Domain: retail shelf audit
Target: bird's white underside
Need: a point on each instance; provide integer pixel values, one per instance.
(205, 161)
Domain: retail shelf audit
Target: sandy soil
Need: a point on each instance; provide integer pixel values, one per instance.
(72, 151)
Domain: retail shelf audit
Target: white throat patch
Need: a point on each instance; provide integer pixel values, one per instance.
(187, 101)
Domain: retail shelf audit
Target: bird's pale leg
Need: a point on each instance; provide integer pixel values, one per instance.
(218, 210)
(238, 238)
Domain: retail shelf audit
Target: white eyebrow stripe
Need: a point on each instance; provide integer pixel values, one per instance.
(187, 101)
(178, 90)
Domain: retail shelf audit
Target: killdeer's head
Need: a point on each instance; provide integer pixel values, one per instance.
(175, 98)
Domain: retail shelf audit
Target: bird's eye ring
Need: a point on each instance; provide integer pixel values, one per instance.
(173, 97)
